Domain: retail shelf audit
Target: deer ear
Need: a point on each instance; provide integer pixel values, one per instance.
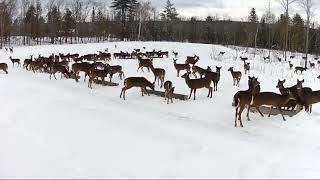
(302, 81)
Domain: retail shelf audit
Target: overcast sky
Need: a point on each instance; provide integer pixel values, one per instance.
(236, 9)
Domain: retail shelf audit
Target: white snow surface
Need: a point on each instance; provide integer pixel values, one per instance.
(63, 129)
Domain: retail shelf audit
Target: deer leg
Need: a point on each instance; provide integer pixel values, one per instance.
(270, 111)
(177, 73)
(194, 94)
(258, 109)
(145, 90)
(54, 75)
(190, 93)
(142, 91)
(50, 75)
(240, 113)
(281, 113)
(236, 120)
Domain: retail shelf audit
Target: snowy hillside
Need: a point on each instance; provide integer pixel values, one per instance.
(63, 129)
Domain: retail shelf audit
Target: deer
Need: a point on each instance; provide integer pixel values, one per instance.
(59, 68)
(78, 67)
(195, 84)
(290, 65)
(311, 98)
(159, 74)
(36, 66)
(246, 67)
(145, 63)
(11, 50)
(284, 91)
(279, 59)
(197, 69)
(15, 61)
(243, 58)
(222, 53)
(114, 70)
(236, 75)
(292, 57)
(169, 90)
(180, 67)
(4, 67)
(242, 99)
(95, 73)
(312, 65)
(192, 60)
(175, 54)
(136, 82)
(27, 62)
(273, 100)
(214, 76)
(301, 69)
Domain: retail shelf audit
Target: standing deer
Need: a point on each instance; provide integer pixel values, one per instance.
(4, 67)
(301, 69)
(284, 91)
(214, 76)
(290, 65)
(271, 99)
(310, 98)
(312, 65)
(197, 69)
(114, 70)
(246, 67)
(242, 99)
(175, 54)
(180, 67)
(59, 68)
(136, 82)
(81, 67)
(236, 75)
(144, 63)
(195, 84)
(95, 73)
(159, 74)
(15, 61)
(192, 60)
(169, 90)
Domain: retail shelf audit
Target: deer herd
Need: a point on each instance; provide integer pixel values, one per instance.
(96, 66)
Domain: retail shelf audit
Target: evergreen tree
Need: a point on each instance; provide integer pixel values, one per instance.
(253, 16)
(169, 13)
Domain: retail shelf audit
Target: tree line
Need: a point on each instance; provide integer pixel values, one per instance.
(130, 20)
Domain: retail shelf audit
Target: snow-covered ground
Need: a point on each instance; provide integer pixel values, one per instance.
(62, 129)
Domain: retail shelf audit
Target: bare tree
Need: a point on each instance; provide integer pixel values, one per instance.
(307, 6)
(143, 14)
(286, 4)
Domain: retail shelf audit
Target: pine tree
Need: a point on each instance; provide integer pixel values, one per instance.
(169, 13)
(253, 16)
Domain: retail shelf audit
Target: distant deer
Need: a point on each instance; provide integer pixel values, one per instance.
(169, 90)
(180, 67)
(192, 60)
(159, 74)
(279, 59)
(95, 73)
(81, 67)
(195, 84)
(214, 76)
(312, 65)
(145, 63)
(222, 53)
(15, 61)
(27, 62)
(236, 75)
(246, 67)
(4, 67)
(140, 82)
(199, 70)
(175, 54)
(36, 66)
(243, 58)
(301, 69)
(292, 57)
(11, 50)
(290, 65)
(114, 70)
(242, 99)
(59, 68)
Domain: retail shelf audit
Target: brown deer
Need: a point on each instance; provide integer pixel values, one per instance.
(95, 73)
(312, 65)
(192, 60)
(136, 82)
(246, 67)
(243, 58)
(195, 84)
(59, 68)
(242, 99)
(175, 54)
(284, 91)
(36, 66)
(27, 62)
(81, 67)
(311, 98)
(214, 76)
(301, 69)
(114, 70)
(15, 61)
(169, 90)
(180, 67)
(271, 99)
(236, 75)
(145, 63)
(290, 65)
(4, 67)
(159, 74)
(199, 70)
